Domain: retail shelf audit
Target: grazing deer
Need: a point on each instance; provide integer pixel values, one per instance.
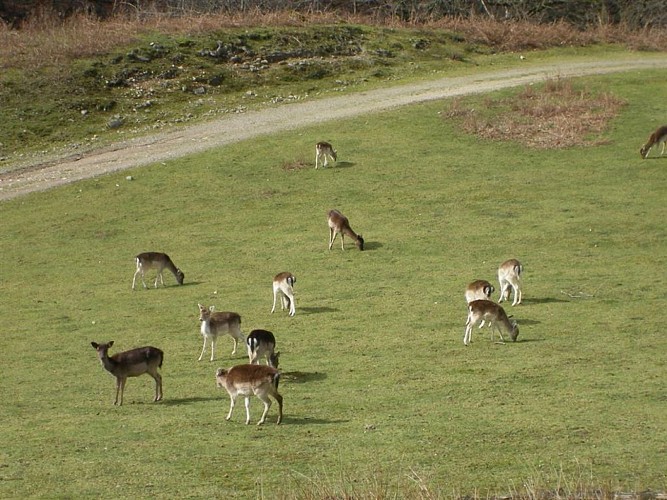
(262, 343)
(324, 150)
(656, 137)
(159, 261)
(260, 380)
(338, 223)
(480, 311)
(509, 275)
(131, 363)
(283, 286)
(217, 323)
(479, 290)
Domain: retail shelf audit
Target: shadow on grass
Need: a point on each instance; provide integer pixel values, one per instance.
(372, 245)
(316, 310)
(303, 377)
(544, 300)
(309, 421)
(186, 401)
(526, 321)
(343, 164)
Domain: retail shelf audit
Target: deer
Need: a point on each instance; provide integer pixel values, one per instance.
(324, 150)
(283, 286)
(131, 363)
(657, 137)
(509, 275)
(262, 343)
(479, 289)
(217, 323)
(260, 380)
(338, 223)
(159, 261)
(480, 311)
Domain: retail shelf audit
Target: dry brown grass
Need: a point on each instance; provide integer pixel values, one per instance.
(558, 115)
(45, 39)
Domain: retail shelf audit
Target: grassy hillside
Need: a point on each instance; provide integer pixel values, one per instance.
(382, 399)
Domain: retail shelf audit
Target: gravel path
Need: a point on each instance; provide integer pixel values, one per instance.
(230, 129)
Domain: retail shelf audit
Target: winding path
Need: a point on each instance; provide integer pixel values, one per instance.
(238, 127)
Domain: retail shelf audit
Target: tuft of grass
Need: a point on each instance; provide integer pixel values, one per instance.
(555, 114)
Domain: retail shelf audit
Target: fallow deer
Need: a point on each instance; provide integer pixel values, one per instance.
(159, 261)
(479, 290)
(131, 363)
(509, 275)
(324, 150)
(262, 343)
(283, 286)
(338, 223)
(657, 137)
(480, 311)
(219, 323)
(260, 380)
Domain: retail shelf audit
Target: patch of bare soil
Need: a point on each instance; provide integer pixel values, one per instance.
(51, 172)
(558, 115)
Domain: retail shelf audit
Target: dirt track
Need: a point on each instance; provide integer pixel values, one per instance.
(185, 141)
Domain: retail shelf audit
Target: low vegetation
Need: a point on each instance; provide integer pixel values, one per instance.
(381, 397)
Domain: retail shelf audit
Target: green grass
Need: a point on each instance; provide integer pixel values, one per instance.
(382, 399)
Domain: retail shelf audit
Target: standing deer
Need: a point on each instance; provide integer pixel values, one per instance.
(324, 150)
(478, 290)
(131, 363)
(262, 343)
(159, 261)
(283, 286)
(480, 311)
(260, 380)
(338, 223)
(217, 323)
(509, 275)
(657, 137)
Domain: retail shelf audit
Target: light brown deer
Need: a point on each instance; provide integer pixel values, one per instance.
(657, 137)
(262, 343)
(260, 380)
(159, 261)
(509, 275)
(283, 286)
(479, 290)
(131, 363)
(480, 311)
(338, 223)
(324, 150)
(219, 323)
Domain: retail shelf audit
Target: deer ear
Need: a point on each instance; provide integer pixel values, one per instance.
(110, 343)
(94, 344)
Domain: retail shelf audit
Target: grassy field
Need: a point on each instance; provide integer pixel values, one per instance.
(382, 399)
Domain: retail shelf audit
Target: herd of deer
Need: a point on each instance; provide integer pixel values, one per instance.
(262, 380)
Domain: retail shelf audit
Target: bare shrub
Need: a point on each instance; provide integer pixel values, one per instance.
(554, 115)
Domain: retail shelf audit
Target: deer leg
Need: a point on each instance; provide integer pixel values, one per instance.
(247, 410)
(332, 237)
(120, 389)
(275, 293)
(158, 385)
(342, 241)
(235, 342)
(267, 404)
(202, 349)
(663, 148)
(214, 340)
(279, 399)
(134, 279)
(232, 400)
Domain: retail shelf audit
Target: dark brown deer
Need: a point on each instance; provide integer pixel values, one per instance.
(262, 343)
(657, 137)
(260, 380)
(160, 262)
(338, 223)
(324, 150)
(131, 363)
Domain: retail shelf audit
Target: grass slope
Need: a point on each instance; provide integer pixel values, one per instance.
(381, 397)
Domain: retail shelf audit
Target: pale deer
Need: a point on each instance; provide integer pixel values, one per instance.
(478, 290)
(338, 223)
(131, 363)
(219, 323)
(262, 343)
(324, 150)
(509, 275)
(657, 137)
(260, 380)
(480, 311)
(283, 286)
(159, 261)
